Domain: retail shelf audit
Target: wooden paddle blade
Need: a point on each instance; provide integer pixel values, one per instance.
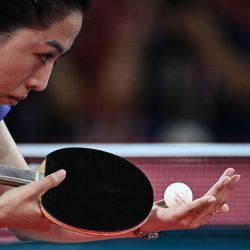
(101, 192)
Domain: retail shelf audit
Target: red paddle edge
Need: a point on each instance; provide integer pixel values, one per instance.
(84, 231)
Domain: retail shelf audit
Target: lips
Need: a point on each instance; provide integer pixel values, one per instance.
(13, 100)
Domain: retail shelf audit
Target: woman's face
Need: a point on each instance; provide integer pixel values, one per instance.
(27, 58)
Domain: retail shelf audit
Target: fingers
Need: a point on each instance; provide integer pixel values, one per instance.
(219, 186)
(197, 212)
(221, 191)
(194, 209)
(218, 190)
(224, 196)
(228, 172)
(20, 205)
(223, 188)
(223, 209)
(50, 181)
(160, 203)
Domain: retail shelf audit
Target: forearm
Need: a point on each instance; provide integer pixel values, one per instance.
(9, 153)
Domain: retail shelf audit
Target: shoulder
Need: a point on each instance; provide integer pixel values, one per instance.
(4, 110)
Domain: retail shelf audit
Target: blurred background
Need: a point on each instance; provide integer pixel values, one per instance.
(148, 71)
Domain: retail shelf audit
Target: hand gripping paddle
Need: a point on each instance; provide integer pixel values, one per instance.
(102, 194)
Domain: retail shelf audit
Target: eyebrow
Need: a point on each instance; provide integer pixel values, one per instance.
(57, 46)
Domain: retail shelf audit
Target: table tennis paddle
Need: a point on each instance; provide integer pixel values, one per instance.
(102, 194)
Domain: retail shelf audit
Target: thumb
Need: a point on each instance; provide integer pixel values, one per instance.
(48, 182)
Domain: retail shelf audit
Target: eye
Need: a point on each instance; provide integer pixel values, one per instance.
(45, 57)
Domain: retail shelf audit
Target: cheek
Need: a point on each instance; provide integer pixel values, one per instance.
(14, 76)
(9, 85)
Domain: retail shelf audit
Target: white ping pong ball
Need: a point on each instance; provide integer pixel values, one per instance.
(177, 194)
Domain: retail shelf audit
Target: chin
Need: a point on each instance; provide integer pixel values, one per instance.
(2, 101)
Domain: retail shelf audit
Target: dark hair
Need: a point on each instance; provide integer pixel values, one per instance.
(37, 14)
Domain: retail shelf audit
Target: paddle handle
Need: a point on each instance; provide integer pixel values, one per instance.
(16, 177)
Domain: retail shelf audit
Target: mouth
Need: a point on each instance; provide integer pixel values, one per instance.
(13, 100)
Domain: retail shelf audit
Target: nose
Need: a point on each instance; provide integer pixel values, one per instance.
(38, 81)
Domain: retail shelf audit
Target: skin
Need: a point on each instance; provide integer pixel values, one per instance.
(187, 216)
(31, 54)
(35, 52)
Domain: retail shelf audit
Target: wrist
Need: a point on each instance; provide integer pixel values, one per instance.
(139, 233)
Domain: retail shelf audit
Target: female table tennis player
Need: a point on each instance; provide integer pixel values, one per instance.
(33, 36)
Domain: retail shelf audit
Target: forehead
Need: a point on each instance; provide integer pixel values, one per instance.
(63, 31)
(67, 28)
